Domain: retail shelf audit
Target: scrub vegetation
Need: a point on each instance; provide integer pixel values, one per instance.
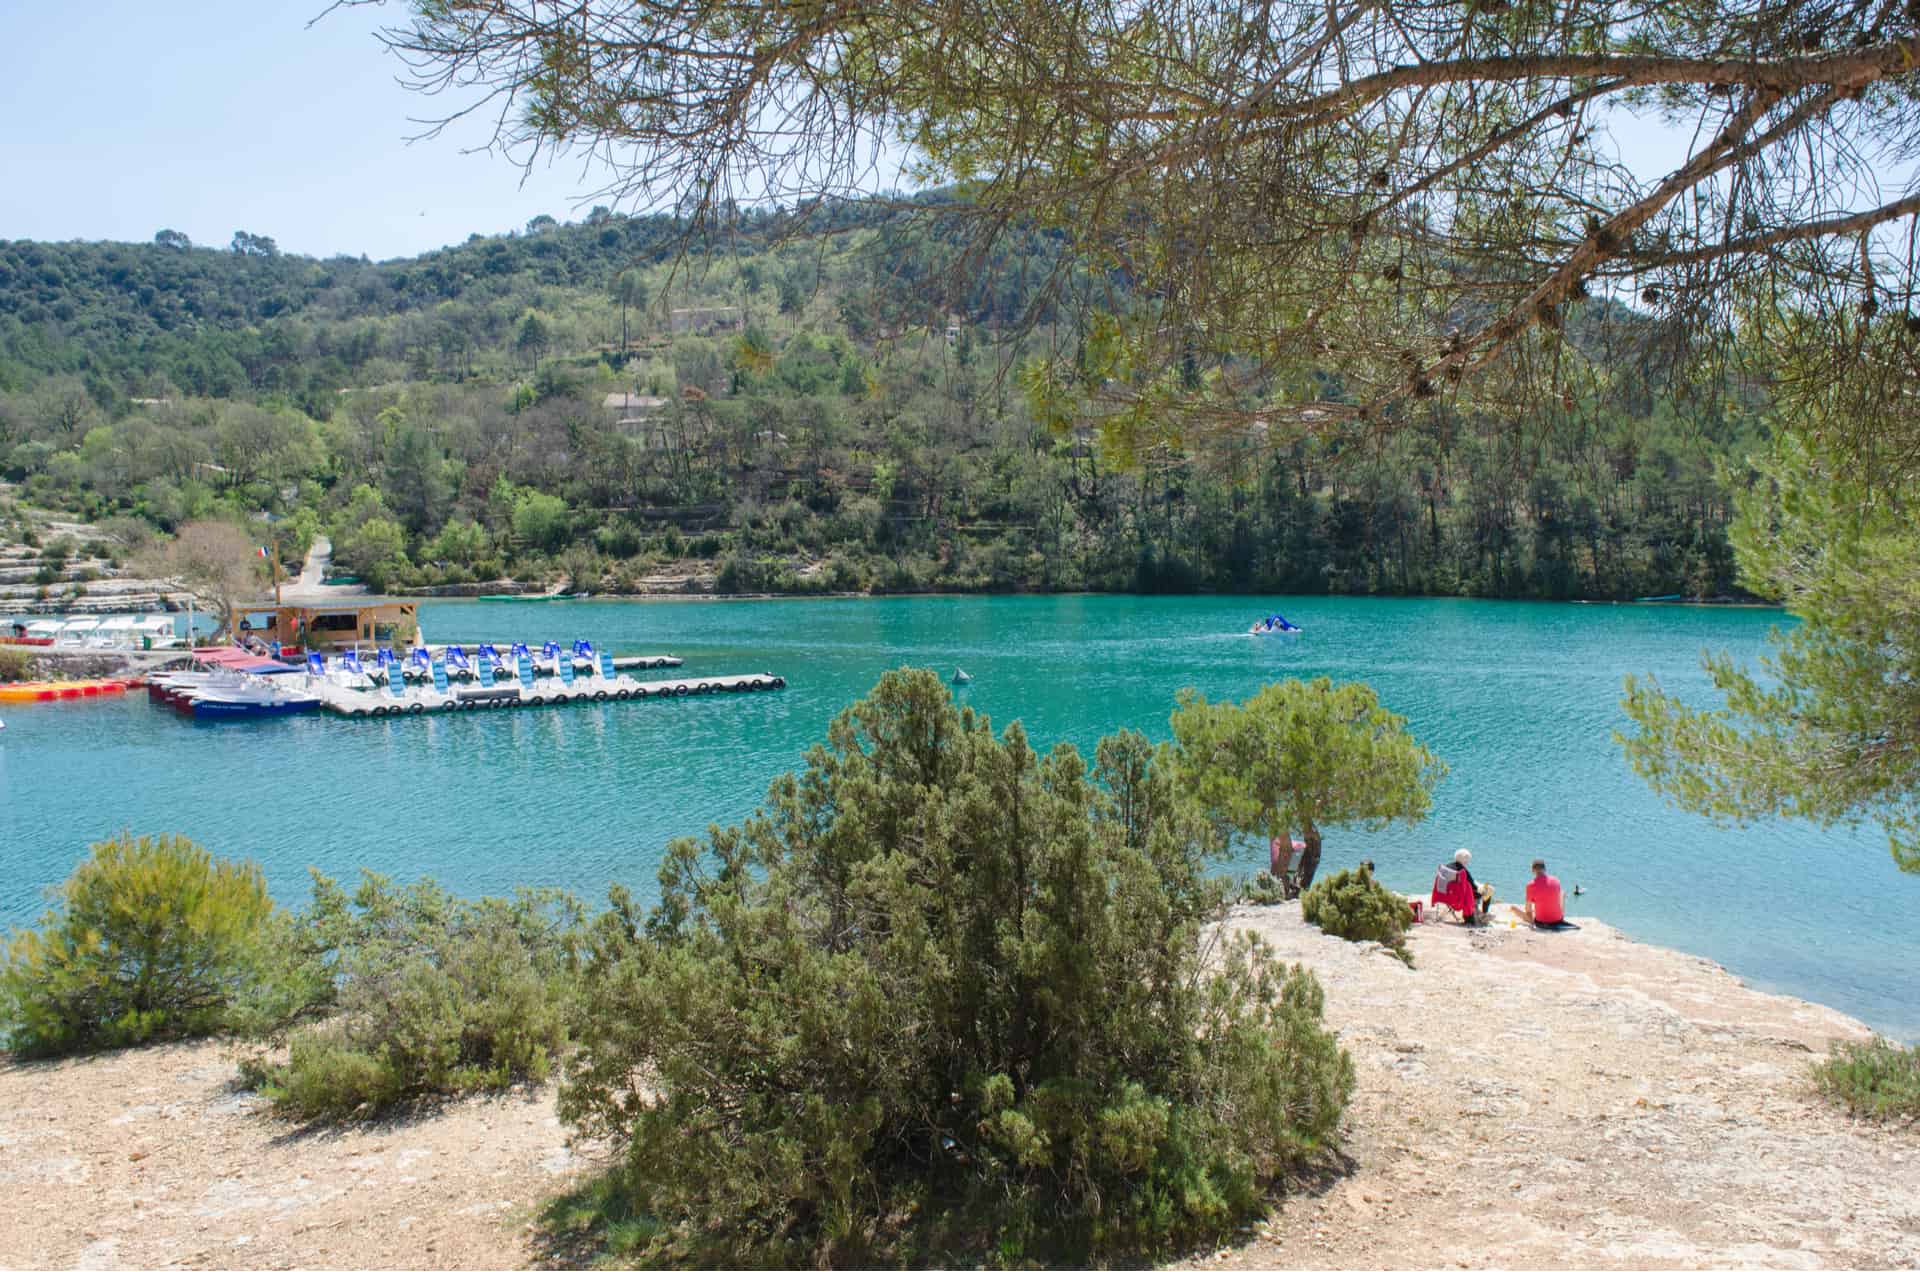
(390, 994)
(149, 939)
(1354, 905)
(947, 994)
(15, 664)
(1878, 1080)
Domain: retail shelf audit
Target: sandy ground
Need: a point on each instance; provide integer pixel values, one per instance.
(1575, 1099)
(1525, 1100)
(154, 1158)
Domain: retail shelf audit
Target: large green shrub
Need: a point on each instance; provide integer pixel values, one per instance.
(394, 993)
(1879, 1079)
(149, 938)
(945, 996)
(1353, 904)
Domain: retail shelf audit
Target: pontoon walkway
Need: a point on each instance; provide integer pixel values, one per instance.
(469, 696)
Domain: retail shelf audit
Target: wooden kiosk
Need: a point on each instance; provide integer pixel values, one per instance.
(363, 621)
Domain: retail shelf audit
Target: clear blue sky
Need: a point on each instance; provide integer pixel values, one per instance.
(121, 118)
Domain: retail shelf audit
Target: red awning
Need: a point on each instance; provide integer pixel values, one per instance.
(241, 660)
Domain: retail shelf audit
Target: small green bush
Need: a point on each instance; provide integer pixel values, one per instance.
(396, 993)
(1878, 1079)
(148, 939)
(1354, 905)
(1262, 889)
(15, 663)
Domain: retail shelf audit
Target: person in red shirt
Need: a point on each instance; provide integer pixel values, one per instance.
(1546, 903)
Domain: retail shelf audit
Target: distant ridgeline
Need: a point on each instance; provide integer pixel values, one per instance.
(609, 404)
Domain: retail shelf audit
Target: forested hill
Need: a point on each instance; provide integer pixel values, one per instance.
(598, 403)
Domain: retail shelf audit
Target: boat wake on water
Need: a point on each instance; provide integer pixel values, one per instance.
(1274, 625)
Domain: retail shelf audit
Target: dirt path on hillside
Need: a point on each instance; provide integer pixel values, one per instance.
(1526, 1100)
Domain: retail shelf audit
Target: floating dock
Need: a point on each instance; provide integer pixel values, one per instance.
(628, 662)
(470, 696)
(645, 662)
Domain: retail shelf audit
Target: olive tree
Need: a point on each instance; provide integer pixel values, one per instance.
(215, 560)
(1303, 754)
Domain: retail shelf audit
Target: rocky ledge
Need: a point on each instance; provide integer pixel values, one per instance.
(1569, 1100)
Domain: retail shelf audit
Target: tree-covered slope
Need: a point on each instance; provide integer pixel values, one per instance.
(843, 409)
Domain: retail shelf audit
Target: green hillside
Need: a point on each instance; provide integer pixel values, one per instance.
(838, 411)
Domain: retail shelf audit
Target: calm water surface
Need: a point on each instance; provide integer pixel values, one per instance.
(1519, 699)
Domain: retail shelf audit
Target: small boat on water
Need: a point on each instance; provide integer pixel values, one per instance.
(1274, 625)
(246, 702)
(961, 677)
(227, 694)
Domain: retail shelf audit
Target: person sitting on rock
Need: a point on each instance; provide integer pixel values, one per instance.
(1453, 887)
(1546, 903)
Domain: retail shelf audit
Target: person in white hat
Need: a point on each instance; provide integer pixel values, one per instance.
(1453, 887)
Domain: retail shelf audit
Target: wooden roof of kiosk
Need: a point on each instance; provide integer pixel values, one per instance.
(341, 624)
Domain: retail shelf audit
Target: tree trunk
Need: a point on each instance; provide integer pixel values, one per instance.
(1310, 856)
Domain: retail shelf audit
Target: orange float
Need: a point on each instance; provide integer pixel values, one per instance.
(53, 690)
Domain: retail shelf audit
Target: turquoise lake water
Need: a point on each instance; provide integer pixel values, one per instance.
(1519, 699)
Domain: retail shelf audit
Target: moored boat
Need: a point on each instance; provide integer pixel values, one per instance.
(225, 694)
(223, 704)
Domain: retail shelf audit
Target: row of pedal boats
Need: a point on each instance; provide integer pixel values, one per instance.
(484, 666)
(270, 688)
